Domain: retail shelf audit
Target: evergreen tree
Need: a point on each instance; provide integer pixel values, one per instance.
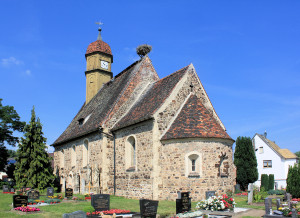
(245, 162)
(264, 182)
(33, 166)
(293, 181)
(271, 182)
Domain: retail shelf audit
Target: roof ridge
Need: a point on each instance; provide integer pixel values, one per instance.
(173, 73)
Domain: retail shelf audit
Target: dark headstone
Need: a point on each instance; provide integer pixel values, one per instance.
(209, 194)
(183, 204)
(12, 190)
(5, 188)
(267, 206)
(100, 202)
(76, 214)
(50, 191)
(148, 208)
(277, 203)
(69, 193)
(33, 194)
(20, 200)
(237, 188)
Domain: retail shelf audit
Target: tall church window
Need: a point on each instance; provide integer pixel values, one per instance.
(130, 154)
(85, 151)
(73, 155)
(193, 164)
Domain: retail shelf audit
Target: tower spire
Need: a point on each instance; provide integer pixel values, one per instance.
(99, 29)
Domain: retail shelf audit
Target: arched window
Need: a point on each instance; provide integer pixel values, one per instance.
(85, 150)
(130, 154)
(73, 155)
(62, 158)
(193, 162)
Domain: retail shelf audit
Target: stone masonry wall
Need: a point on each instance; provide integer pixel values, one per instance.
(70, 172)
(136, 184)
(173, 168)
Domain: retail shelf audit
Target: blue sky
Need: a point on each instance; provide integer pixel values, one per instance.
(246, 54)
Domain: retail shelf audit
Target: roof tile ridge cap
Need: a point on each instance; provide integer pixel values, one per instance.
(208, 98)
(138, 65)
(176, 115)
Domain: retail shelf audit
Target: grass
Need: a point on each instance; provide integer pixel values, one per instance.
(165, 208)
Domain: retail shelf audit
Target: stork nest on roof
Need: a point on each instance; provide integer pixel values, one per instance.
(143, 50)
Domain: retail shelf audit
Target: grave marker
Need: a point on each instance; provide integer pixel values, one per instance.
(69, 193)
(277, 203)
(250, 193)
(50, 191)
(148, 208)
(209, 194)
(183, 203)
(76, 214)
(100, 202)
(33, 194)
(5, 188)
(20, 200)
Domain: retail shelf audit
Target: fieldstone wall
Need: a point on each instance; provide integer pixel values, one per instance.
(137, 183)
(173, 168)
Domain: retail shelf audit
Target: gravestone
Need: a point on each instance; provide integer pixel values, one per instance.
(209, 194)
(250, 193)
(183, 203)
(268, 205)
(294, 213)
(12, 190)
(50, 191)
(69, 193)
(20, 200)
(277, 203)
(76, 214)
(100, 202)
(148, 208)
(5, 188)
(237, 188)
(33, 194)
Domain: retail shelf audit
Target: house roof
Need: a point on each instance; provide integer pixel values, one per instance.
(195, 121)
(285, 153)
(151, 100)
(93, 113)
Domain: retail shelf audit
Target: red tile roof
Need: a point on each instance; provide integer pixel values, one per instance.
(195, 121)
(98, 46)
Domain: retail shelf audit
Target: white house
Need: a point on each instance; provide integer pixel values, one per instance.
(271, 159)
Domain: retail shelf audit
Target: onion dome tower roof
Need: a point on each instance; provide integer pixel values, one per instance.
(99, 46)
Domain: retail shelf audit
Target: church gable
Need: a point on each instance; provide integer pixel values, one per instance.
(144, 75)
(195, 121)
(152, 99)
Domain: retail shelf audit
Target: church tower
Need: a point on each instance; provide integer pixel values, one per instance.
(98, 66)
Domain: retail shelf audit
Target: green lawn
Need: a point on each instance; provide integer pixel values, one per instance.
(165, 208)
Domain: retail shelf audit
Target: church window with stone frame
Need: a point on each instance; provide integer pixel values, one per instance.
(85, 152)
(130, 154)
(73, 155)
(193, 164)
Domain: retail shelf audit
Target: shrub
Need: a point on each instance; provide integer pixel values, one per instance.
(276, 192)
(271, 182)
(259, 195)
(264, 182)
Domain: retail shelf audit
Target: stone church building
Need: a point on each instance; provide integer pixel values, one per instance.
(140, 136)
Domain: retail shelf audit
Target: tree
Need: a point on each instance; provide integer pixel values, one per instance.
(245, 162)
(9, 122)
(298, 153)
(293, 181)
(271, 182)
(33, 166)
(264, 184)
(12, 153)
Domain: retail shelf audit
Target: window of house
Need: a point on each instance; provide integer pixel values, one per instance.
(85, 151)
(261, 150)
(130, 154)
(73, 155)
(193, 164)
(267, 164)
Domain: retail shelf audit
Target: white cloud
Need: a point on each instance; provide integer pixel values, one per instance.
(6, 62)
(28, 72)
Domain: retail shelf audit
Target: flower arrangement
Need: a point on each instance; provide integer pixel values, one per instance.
(27, 209)
(108, 212)
(77, 199)
(53, 201)
(34, 202)
(216, 203)
(242, 194)
(8, 192)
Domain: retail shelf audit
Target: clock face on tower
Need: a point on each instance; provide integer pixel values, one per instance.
(104, 65)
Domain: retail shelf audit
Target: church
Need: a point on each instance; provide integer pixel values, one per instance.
(140, 136)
